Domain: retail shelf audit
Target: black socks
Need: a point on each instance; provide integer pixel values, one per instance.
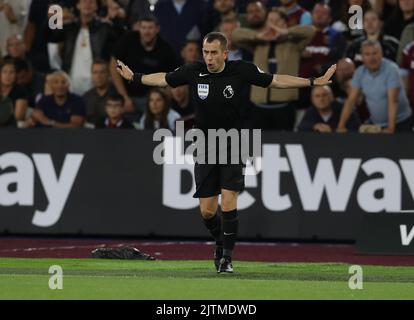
(230, 228)
(214, 226)
(225, 234)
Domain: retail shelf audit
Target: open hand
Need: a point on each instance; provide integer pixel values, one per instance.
(124, 71)
(326, 78)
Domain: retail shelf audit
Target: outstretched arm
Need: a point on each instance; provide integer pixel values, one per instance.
(282, 81)
(153, 79)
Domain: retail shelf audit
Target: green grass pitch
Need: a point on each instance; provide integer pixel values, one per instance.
(186, 280)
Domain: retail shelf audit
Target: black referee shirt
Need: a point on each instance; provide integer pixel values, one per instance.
(217, 97)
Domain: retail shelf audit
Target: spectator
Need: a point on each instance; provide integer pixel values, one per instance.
(125, 3)
(83, 41)
(407, 66)
(116, 16)
(146, 52)
(190, 52)
(341, 84)
(379, 80)
(13, 99)
(323, 116)
(95, 99)
(256, 14)
(310, 4)
(47, 88)
(16, 48)
(296, 14)
(325, 49)
(37, 31)
(36, 34)
(385, 8)
(180, 101)
(227, 27)
(402, 16)
(62, 109)
(180, 20)
(335, 5)
(276, 50)
(103, 7)
(114, 110)
(32, 82)
(241, 5)
(223, 10)
(372, 31)
(13, 18)
(406, 37)
(137, 10)
(342, 24)
(158, 113)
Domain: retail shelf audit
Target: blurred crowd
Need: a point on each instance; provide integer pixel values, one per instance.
(66, 77)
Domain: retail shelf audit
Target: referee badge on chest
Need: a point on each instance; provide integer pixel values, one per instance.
(203, 91)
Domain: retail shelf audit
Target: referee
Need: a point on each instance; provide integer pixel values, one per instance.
(216, 88)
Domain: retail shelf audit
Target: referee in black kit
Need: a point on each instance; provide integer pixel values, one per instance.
(216, 87)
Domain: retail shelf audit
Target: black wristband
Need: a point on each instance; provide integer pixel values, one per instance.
(137, 78)
(312, 81)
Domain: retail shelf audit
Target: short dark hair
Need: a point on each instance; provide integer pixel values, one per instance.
(100, 61)
(22, 65)
(8, 62)
(212, 36)
(149, 18)
(187, 42)
(116, 97)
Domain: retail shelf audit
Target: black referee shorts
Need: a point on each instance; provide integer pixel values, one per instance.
(211, 178)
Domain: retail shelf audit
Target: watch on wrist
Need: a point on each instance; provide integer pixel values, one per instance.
(137, 78)
(312, 81)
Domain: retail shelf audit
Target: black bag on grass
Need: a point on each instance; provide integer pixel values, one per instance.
(126, 253)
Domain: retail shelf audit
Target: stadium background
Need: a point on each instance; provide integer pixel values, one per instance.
(64, 192)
